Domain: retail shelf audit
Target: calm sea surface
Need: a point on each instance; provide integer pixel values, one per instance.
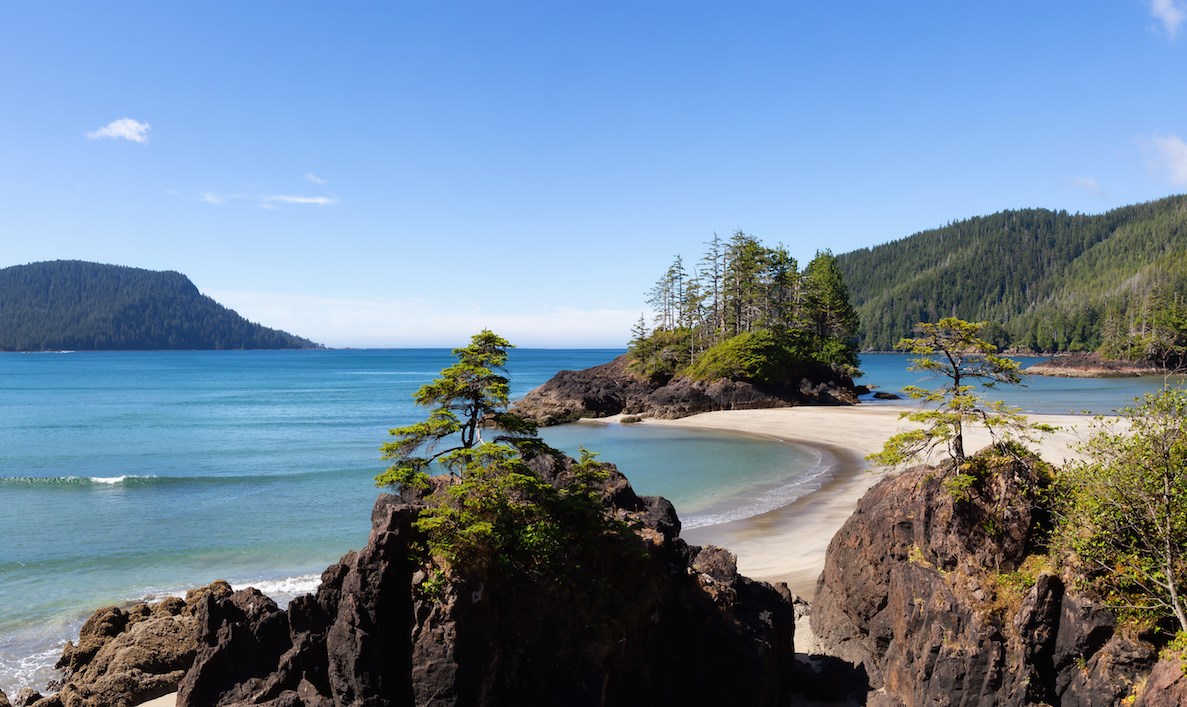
(127, 475)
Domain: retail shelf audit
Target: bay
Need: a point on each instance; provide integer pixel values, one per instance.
(130, 475)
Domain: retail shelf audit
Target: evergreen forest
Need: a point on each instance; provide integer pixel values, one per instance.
(75, 305)
(1047, 281)
(746, 311)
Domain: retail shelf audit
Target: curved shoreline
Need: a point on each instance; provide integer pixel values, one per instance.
(787, 544)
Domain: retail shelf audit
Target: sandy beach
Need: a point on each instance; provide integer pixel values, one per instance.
(788, 543)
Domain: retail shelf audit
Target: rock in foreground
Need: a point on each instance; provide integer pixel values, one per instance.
(675, 625)
(922, 588)
(128, 656)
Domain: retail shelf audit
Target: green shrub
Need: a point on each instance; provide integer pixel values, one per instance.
(761, 356)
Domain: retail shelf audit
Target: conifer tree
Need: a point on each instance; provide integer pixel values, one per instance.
(468, 397)
(953, 349)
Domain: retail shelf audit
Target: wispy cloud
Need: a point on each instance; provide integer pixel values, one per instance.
(272, 202)
(310, 176)
(291, 199)
(1090, 186)
(1170, 14)
(122, 129)
(1169, 154)
(209, 198)
(385, 321)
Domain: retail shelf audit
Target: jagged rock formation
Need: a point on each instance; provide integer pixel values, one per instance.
(125, 657)
(611, 388)
(680, 626)
(916, 590)
(662, 623)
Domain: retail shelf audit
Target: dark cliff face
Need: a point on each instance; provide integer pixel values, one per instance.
(612, 388)
(915, 590)
(676, 626)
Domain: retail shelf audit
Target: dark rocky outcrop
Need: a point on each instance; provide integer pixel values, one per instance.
(612, 388)
(1093, 365)
(674, 624)
(1166, 685)
(916, 591)
(127, 656)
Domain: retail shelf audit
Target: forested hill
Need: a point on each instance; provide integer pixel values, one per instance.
(74, 305)
(1054, 281)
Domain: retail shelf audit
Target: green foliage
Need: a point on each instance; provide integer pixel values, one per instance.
(960, 486)
(747, 312)
(762, 355)
(1125, 515)
(952, 350)
(495, 516)
(1055, 281)
(74, 305)
(501, 518)
(469, 396)
(662, 353)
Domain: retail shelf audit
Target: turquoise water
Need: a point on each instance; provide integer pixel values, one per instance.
(126, 475)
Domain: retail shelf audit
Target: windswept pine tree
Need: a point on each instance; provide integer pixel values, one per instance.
(75, 305)
(746, 311)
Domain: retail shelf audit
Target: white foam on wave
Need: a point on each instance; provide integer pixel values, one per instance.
(284, 589)
(109, 480)
(768, 498)
(27, 658)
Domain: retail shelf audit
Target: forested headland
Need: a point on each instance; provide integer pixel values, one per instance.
(75, 305)
(746, 311)
(1048, 281)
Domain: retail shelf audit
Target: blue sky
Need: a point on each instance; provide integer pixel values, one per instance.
(404, 174)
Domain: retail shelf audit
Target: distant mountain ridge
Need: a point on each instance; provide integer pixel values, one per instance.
(1050, 281)
(77, 305)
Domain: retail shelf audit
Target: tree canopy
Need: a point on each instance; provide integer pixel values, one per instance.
(75, 305)
(741, 288)
(1052, 281)
(469, 396)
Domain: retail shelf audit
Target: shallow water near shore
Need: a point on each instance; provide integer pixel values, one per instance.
(131, 475)
(127, 475)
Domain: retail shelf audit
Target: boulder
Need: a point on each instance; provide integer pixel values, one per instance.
(129, 656)
(1167, 684)
(911, 595)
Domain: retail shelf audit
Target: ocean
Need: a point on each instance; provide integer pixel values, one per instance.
(134, 475)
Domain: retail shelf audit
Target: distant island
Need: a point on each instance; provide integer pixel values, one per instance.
(81, 306)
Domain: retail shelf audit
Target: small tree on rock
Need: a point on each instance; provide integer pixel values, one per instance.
(498, 514)
(952, 349)
(468, 397)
